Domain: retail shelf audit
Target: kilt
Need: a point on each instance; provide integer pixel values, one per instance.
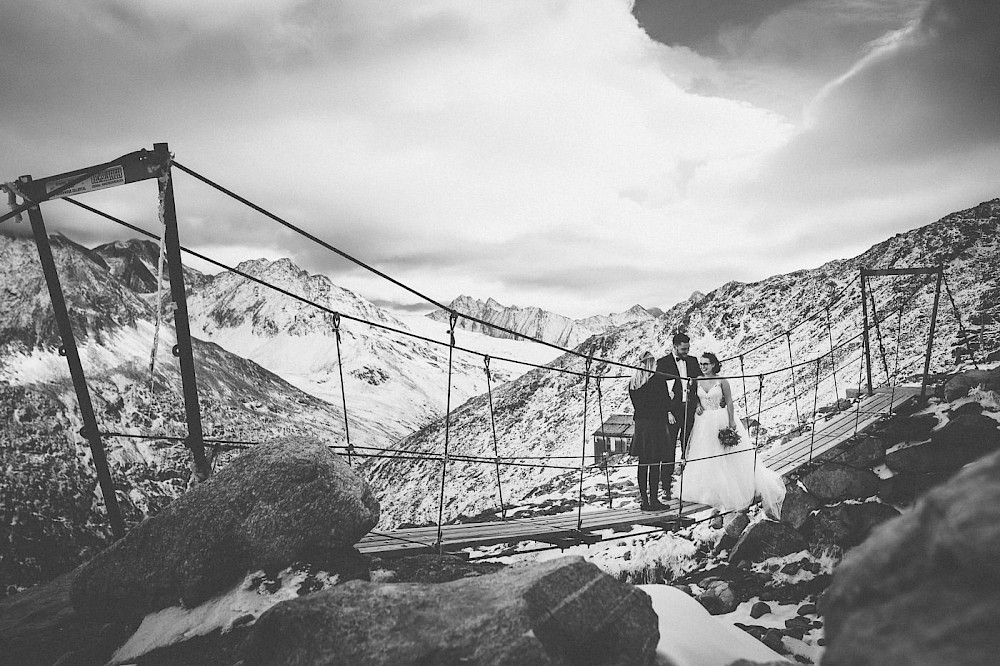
(650, 440)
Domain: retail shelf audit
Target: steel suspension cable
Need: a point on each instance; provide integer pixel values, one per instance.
(377, 325)
(368, 267)
(372, 269)
(306, 301)
(452, 321)
(362, 264)
(496, 449)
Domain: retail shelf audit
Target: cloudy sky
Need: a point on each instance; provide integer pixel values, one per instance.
(577, 155)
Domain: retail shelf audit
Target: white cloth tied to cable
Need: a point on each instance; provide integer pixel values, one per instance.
(13, 191)
(159, 277)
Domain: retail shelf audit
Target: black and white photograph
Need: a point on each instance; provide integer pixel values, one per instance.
(626, 332)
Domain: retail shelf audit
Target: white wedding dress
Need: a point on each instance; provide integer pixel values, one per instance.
(727, 482)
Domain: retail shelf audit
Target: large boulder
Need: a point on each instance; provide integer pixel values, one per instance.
(765, 539)
(845, 525)
(960, 441)
(906, 428)
(904, 487)
(960, 385)
(798, 505)
(564, 611)
(922, 588)
(719, 598)
(863, 452)
(833, 482)
(281, 502)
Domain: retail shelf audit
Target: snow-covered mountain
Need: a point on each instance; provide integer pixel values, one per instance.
(395, 383)
(113, 327)
(135, 263)
(534, 322)
(49, 500)
(542, 413)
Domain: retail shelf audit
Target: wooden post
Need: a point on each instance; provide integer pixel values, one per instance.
(90, 430)
(867, 343)
(930, 334)
(195, 439)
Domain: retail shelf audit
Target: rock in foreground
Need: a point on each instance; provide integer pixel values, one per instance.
(564, 611)
(922, 588)
(280, 502)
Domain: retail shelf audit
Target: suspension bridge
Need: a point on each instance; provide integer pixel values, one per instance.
(823, 434)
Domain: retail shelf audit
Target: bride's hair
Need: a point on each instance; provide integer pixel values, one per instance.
(640, 377)
(716, 365)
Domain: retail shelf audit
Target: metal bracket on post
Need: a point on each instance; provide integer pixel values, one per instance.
(69, 349)
(192, 408)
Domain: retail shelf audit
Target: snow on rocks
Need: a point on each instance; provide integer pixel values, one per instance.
(689, 636)
(557, 612)
(277, 503)
(922, 588)
(240, 606)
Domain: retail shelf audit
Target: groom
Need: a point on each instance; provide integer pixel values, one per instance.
(683, 403)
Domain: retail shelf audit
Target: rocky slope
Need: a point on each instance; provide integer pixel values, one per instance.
(542, 413)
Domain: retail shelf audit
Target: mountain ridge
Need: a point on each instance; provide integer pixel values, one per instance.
(533, 322)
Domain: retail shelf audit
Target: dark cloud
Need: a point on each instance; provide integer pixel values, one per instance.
(936, 90)
(399, 306)
(696, 24)
(774, 54)
(919, 112)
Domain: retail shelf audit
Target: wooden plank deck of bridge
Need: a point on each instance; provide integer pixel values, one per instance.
(565, 529)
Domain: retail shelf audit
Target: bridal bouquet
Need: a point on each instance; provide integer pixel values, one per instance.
(728, 437)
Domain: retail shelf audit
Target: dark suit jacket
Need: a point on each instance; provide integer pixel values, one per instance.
(668, 364)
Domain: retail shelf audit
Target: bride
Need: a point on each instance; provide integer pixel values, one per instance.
(725, 478)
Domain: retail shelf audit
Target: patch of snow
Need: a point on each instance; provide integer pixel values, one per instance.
(244, 602)
(690, 636)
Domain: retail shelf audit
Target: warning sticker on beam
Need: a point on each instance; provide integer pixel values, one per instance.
(108, 178)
